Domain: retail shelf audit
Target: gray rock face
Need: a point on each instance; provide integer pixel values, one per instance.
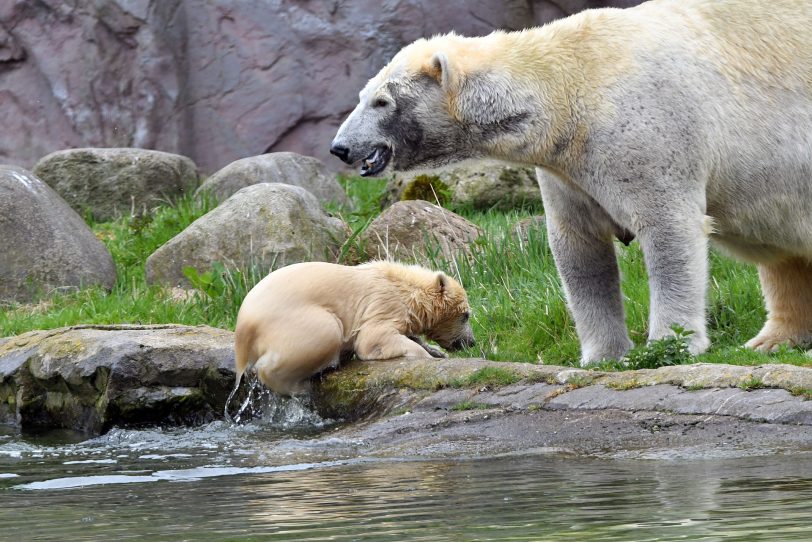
(44, 244)
(278, 167)
(263, 225)
(215, 81)
(88, 378)
(482, 185)
(114, 182)
(409, 230)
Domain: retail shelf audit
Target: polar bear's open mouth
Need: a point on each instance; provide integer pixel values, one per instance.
(376, 161)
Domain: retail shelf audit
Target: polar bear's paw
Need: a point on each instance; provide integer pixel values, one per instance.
(774, 336)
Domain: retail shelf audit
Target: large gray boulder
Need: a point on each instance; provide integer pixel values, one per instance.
(278, 167)
(44, 244)
(109, 183)
(416, 231)
(265, 225)
(214, 81)
(482, 185)
(89, 378)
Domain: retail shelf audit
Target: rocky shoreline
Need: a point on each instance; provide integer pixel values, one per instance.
(91, 378)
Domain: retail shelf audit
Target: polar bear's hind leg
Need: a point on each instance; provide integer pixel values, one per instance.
(787, 290)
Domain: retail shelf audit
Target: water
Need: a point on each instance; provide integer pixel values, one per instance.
(255, 482)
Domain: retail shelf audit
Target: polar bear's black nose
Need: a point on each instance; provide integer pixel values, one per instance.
(341, 151)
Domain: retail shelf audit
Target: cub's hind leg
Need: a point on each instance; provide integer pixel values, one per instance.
(295, 348)
(787, 291)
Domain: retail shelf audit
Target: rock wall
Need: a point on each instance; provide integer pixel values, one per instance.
(215, 81)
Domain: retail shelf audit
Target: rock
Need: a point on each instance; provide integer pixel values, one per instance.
(113, 182)
(215, 81)
(278, 167)
(46, 246)
(265, 225)
(482, 185)
(88, 378)
(364, 387)
(412, 230)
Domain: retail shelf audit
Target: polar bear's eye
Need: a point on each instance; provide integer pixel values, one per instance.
(380, 102)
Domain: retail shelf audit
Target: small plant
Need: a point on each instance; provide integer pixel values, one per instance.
(211, 282)
(806, 393)
(469, 405)
(663, 352)
(622, 385)
(577, 381)
(751, 383)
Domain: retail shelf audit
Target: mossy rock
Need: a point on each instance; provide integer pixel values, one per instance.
(480, 185)
(427, 188)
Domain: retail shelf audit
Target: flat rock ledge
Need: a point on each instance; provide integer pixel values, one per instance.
(90, 378)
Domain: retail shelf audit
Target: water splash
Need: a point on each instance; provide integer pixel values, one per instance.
(260, 403)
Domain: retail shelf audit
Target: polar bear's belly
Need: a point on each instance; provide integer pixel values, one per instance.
(764, 226)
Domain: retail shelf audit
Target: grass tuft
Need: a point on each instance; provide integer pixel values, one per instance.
(469, 405)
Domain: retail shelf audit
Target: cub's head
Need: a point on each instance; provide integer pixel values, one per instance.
(435, 103)
(448, 314)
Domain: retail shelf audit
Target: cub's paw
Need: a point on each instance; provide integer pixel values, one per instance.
(435, 352)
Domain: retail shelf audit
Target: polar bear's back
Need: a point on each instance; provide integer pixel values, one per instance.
(725, 87)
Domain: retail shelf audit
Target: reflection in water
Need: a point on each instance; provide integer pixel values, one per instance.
(231, 490)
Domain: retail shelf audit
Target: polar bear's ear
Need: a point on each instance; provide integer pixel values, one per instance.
(441, 69)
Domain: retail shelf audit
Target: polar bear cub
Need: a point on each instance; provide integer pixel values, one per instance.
(305, 317)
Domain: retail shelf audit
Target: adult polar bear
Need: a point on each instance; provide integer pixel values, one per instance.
(674, 120)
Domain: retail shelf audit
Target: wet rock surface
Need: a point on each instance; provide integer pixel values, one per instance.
(556, 416)
(263, 225)
(413, 230)
(91, 378)
(278, 167)
(45, 245)
(109, 183)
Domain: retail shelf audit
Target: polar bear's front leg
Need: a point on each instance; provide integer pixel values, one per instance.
(580, 236)
(675, 248)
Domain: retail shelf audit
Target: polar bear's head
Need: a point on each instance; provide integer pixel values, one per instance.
(438, 101)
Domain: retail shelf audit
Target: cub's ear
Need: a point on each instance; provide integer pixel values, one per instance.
(442, 282)
(440, 68)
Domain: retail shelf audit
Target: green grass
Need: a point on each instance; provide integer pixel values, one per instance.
(518, 307)
(469, 405)
(752, 384)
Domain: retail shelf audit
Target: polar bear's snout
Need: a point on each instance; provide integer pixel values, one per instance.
(337, 149)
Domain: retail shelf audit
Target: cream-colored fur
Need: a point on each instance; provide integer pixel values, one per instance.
(306, 317)
(655, 121)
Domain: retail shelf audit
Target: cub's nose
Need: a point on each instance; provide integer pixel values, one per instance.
(341, 151)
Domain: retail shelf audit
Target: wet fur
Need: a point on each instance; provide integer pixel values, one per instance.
(648, 122)
(306, 317)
